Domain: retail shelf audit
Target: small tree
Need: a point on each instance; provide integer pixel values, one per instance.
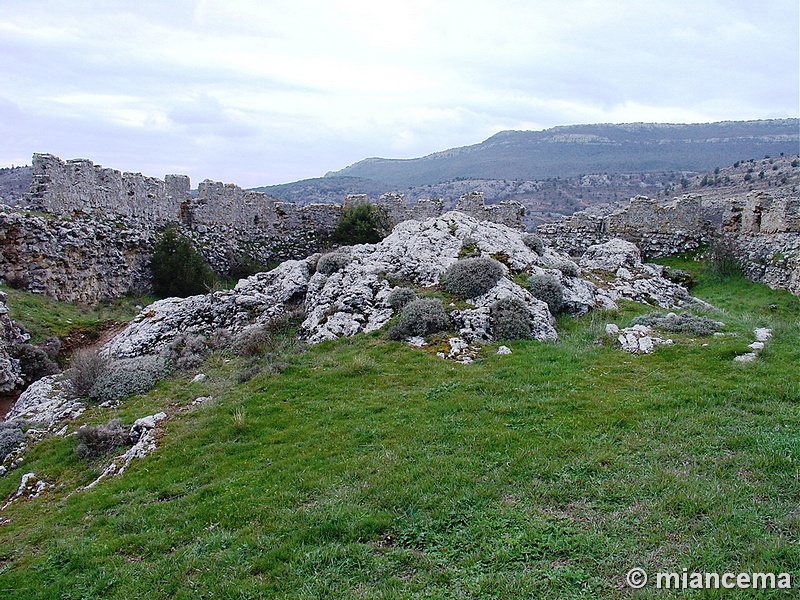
(362, 224)
(178, 269)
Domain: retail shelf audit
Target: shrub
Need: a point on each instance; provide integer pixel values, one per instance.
(400, 296)
(511, 319)
(34, 362)
(469, 249)
(86, 366)
(101, 439)
(425, 316)
(568, 268)
(547, 289)
(683, 323)
(723, 257)
(534, 242)
(679, 276)
(472, 277)
(178, 269)
(128, 376)
(186, 351)
(10, 438)
(254, 341)
(333, 261)
(220, 339)
(362, 224)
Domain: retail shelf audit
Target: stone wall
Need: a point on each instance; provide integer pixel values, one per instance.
(659, 229)
(507, 212)
(78, 259)
(96, 236)
(765, 231)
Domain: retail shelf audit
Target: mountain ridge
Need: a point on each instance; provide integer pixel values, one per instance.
(570, 150)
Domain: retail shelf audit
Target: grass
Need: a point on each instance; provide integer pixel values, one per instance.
(369, 469)
(45, 317)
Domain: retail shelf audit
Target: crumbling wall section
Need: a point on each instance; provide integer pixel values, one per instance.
(657, 229)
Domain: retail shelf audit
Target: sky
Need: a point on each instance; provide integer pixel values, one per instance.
(271, 91)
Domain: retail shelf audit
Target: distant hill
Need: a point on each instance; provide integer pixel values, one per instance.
(579, 149)
(14, 182)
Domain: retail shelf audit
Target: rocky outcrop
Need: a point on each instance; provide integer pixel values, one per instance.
(351, 296)
(10, 336)
(632, 279)
(143, 436)
(46, 403)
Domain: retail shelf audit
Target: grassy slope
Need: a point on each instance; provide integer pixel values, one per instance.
(370, 469)
(43, 316)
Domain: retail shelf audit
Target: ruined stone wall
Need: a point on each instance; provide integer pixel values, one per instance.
(95, 241)
(658, 229)
(79, 186)
(507, 212)
(765, 231)
(79, 259)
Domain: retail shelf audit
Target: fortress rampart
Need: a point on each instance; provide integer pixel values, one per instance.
(94, 231)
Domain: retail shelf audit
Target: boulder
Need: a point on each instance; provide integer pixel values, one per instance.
(611, 256)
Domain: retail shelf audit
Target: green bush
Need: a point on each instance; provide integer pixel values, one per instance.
(101, 439)
(333, 261)
(86, 365)
(547, 289)
(472, 277)
(511, 319)
(425, 316)
(682, 323)
(34, 362)
(534, 242)
(362, 224)
(469, 249)
(178, 269)
(400, 296)
(128, 376)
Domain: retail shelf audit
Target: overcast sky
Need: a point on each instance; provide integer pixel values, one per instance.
(260, 92)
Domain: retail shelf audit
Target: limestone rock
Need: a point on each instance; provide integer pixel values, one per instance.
(143, 435)
(47, 402)
(10, 336)
(638, 339)
(611, 256)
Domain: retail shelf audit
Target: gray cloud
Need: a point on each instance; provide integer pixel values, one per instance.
(262, 93)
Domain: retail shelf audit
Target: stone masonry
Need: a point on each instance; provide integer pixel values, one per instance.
(764, 231)
(84, 232)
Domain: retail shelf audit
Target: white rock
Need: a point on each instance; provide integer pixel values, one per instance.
(612, 255)
(746, 358)
(756, 347)
(199, 377)
(504, 350)
(624, 273)
(762, 334)
(46, 402)
(612, 329)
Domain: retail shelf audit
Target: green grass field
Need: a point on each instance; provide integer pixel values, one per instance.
(369, 469)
